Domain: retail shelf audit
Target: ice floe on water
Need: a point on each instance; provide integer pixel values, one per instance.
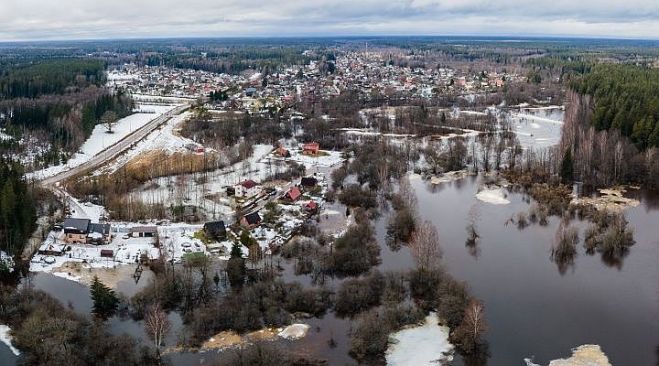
(586, 355)
(493, 195)
(423, 345)
(294, 331)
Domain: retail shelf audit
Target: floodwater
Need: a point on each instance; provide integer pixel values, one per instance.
(532, 309)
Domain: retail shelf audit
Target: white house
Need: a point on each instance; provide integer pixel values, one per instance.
(247, 188)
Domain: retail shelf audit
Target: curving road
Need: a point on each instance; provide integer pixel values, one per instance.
(116, 149)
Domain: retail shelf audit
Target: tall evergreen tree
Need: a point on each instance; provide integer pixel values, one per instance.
(105, 300)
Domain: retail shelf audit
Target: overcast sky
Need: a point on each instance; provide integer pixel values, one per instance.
(83, 19)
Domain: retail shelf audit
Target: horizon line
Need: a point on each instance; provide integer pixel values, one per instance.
(330, 36)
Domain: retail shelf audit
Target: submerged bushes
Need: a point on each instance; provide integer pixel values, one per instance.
(611, 236)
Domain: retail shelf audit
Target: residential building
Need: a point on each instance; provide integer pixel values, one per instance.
(215, 230)
(311, 148)
(247, 188)
(76, 230)
(293, 194)
(251, 220)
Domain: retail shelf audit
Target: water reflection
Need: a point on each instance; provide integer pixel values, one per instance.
(533, 309)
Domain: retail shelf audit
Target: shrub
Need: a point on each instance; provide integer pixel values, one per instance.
(356, 251)
(357, 295)
(354, 196)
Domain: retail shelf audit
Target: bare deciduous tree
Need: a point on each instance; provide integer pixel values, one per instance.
(473, 324)
(425, 246)
(156, 324)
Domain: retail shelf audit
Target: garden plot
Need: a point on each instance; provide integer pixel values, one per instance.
(290, 218)
(209, 194)
(83, 210)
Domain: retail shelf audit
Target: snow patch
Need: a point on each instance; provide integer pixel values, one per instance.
(294, 331)
(422, 345)
(494, 196)
(101, 140)
(5, 338)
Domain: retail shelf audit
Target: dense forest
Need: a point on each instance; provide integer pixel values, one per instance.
(51, 77)
(17, 208)
(230, 60)
(62, 97)
(626, 98)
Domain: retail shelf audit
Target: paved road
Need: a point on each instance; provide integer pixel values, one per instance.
(114, 150)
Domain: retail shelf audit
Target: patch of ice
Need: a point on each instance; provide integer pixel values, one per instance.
(494, 196)
(294, 331)
(422, 345)
(586, 355)
(67, 276)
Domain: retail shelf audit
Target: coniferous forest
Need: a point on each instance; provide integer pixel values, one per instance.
(626, 98)
(64, 98)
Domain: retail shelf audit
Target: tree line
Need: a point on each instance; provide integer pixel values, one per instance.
(49, 77)
(626, 99)
(17, 208)
(63, 97)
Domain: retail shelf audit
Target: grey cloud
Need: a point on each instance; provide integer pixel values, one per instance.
(61, 19)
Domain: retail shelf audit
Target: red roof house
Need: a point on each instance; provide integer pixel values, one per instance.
(283, 152)
(293, 194)
(248, 184)
(311, 207)
(311, 148)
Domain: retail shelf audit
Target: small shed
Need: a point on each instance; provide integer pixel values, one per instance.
(143, 231)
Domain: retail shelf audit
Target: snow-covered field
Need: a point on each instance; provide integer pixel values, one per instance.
(423, 345)
(538, 127)
(100, 139)
(294, 331)
(163, 139)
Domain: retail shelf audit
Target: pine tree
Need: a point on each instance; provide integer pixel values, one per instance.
(105, 300)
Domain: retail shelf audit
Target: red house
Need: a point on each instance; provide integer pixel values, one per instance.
(311, 148)
(293, 194)
(311, 207)
(283, 152)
